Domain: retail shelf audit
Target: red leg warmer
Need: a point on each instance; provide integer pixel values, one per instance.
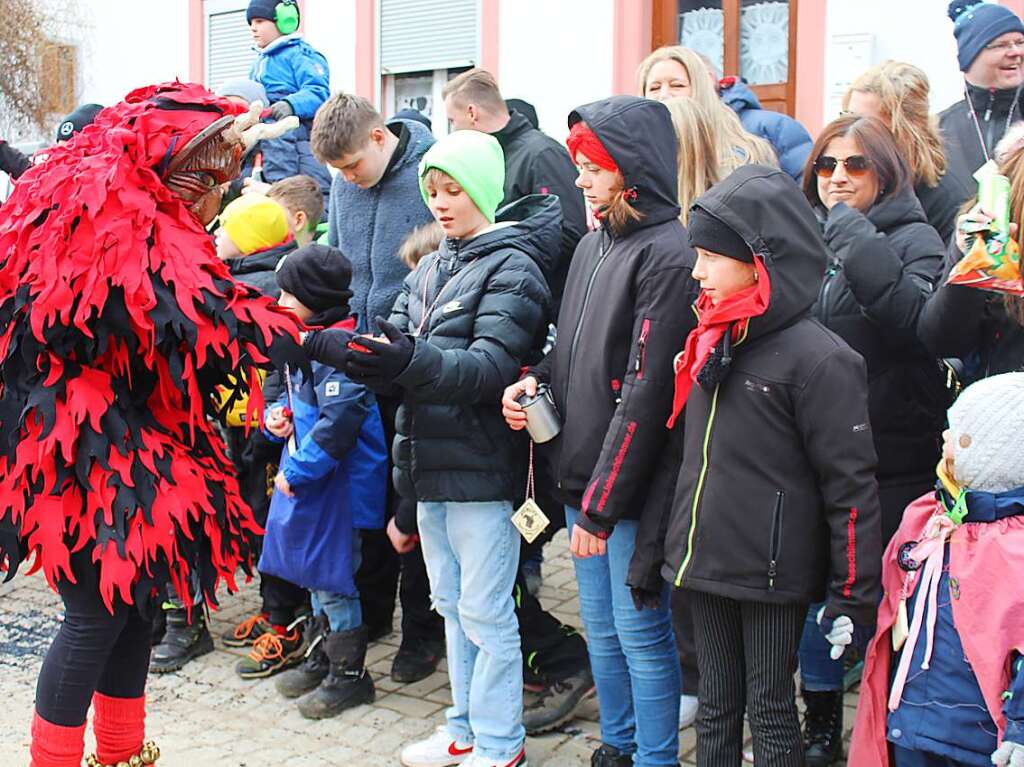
(56, 746)
(119, 725)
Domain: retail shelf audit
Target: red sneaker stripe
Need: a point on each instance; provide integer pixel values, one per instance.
(456, 751)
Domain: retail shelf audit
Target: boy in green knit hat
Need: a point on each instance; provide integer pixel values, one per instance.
(467, 320)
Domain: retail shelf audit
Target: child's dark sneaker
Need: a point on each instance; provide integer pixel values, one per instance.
(439, 750)
(415, 661)
(182, 641)
(607, 756)
(247, 632)
(271, 653)
(558, 702)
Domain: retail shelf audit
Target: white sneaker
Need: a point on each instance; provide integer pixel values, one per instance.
(748, 755)
(439, 750)
(687, 710)
(478, 760)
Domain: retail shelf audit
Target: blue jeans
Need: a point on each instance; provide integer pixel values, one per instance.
(344, 613)
(472, 553)
(818, 672)
(632, 654)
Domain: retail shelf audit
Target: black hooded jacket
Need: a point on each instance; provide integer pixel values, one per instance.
(625, 312)
(776, 500)
(995, 110)
(882, 268)
(486, 303)
(537, 164)
(259, 270)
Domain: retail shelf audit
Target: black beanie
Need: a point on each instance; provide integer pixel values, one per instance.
(261, 9)
(711, 233)
(74, 122)
(317, 275)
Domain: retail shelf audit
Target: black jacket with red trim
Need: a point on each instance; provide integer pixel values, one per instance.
(625, 312)
(776, 500)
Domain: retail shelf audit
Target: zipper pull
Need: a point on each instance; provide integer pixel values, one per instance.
(991, 100)
(771, 575)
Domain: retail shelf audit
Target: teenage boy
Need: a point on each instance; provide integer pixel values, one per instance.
(461, 329)
(375, 203)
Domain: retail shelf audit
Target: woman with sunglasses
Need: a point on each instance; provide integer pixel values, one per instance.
(883, 261)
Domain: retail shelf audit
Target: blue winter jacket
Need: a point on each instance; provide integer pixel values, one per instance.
(942, 710)
(293, 70)
(337, 469)
(290, 69)
(791, 141)
(368, 225)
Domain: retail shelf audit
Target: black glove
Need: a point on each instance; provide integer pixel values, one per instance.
(845, 227)
(329, 346)
(642, 598)
(382, 361)
(281, 109)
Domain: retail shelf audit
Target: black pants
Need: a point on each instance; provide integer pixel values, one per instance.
(747, 655)
(283, 601)
(686, 641)
(94, 650)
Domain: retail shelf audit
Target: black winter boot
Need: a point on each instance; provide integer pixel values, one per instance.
(296, 682)
(607, 756)
(182, 640)
(823, 727)
(347, 683)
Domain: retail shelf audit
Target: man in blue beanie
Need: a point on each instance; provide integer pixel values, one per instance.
(990, 51)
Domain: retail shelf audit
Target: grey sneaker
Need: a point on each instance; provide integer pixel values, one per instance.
(558, 703)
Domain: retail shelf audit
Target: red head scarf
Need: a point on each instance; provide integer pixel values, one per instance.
(582, 139)
(714, 320)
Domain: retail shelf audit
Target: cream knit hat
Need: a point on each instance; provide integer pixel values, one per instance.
(987, 425)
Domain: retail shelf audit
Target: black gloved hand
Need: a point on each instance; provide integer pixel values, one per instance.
(382, 360)
(281, 109)
(329, 346)
(642, 598)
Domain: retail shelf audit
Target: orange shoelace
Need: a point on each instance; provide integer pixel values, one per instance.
(267, 647)
(244, 629)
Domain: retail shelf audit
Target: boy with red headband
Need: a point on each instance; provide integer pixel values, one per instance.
(776, 504)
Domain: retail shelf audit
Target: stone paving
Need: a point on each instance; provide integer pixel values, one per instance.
(205, 716)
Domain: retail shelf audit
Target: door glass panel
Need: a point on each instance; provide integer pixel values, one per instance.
(764, 41)
(701, 28)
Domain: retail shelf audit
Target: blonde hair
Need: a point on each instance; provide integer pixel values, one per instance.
(299, 193)
(902, 90)
(420, 242)
(735, 146)
(476, 86)
(698, 165)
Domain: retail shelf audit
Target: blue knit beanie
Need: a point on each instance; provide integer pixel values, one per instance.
(261, 9)
(975, 25)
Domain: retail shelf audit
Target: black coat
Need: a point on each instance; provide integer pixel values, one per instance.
(972, 325)
(941, 204)
(776, 499)
(625, 312)
(486, 300)
(260, 269)
(882, 268)
(537, 164)
(13, 162)
(995, 110)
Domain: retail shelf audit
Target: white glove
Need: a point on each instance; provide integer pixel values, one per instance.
(1009, 754)
(841, 635)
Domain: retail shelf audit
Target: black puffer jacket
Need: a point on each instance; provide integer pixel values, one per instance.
(486, 300)
(995, 110)
(537, 164)
(941, 204)
(625, 312)
(972, 325)
(260, 269)
(882, 269)
(776, 500)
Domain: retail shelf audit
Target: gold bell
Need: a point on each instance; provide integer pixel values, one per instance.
(150, 752)
(135, 761)
(123, 764)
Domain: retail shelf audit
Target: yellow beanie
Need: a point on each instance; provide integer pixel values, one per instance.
(254, 222)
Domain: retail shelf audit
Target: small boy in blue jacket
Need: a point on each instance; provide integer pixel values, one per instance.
(332, 483)
(297, 81)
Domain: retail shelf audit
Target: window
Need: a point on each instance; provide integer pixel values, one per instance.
(420, 91)
(755, 39)
(425, 35)
(229, 49)
(59, 69)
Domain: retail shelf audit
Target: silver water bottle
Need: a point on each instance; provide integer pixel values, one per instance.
(542, 420)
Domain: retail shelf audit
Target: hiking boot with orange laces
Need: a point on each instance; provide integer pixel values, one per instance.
(272, 652)
(247, 632)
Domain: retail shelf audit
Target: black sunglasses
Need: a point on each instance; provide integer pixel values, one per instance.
(855, 165)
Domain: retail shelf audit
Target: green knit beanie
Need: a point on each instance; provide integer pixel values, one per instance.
(475, 161)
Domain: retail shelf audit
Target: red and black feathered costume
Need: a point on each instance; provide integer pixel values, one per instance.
(117, 323)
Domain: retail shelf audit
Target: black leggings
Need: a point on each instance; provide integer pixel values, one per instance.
(94, 650)
(746, 655)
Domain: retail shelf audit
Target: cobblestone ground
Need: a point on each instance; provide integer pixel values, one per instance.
(205, 716)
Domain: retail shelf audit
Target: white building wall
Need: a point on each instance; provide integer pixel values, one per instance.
(330, 27)
(867, 32)
(557, 55)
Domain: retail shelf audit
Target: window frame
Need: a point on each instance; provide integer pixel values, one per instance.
(780, 97)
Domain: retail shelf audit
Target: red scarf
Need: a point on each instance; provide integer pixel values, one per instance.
(713, 321)
(582, 138)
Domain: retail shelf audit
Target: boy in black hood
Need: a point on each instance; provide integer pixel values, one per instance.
(776, 505)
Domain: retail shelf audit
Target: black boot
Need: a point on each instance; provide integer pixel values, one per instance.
(182, 640)
(416, 660)
(348, 683)
(296, 682)
(606, 756)
(823, 727)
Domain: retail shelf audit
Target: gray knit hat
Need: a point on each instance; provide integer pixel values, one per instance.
(986, 422)
(244, 88)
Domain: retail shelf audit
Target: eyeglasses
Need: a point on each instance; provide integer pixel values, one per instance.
(1006, 46)
(856, 165)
